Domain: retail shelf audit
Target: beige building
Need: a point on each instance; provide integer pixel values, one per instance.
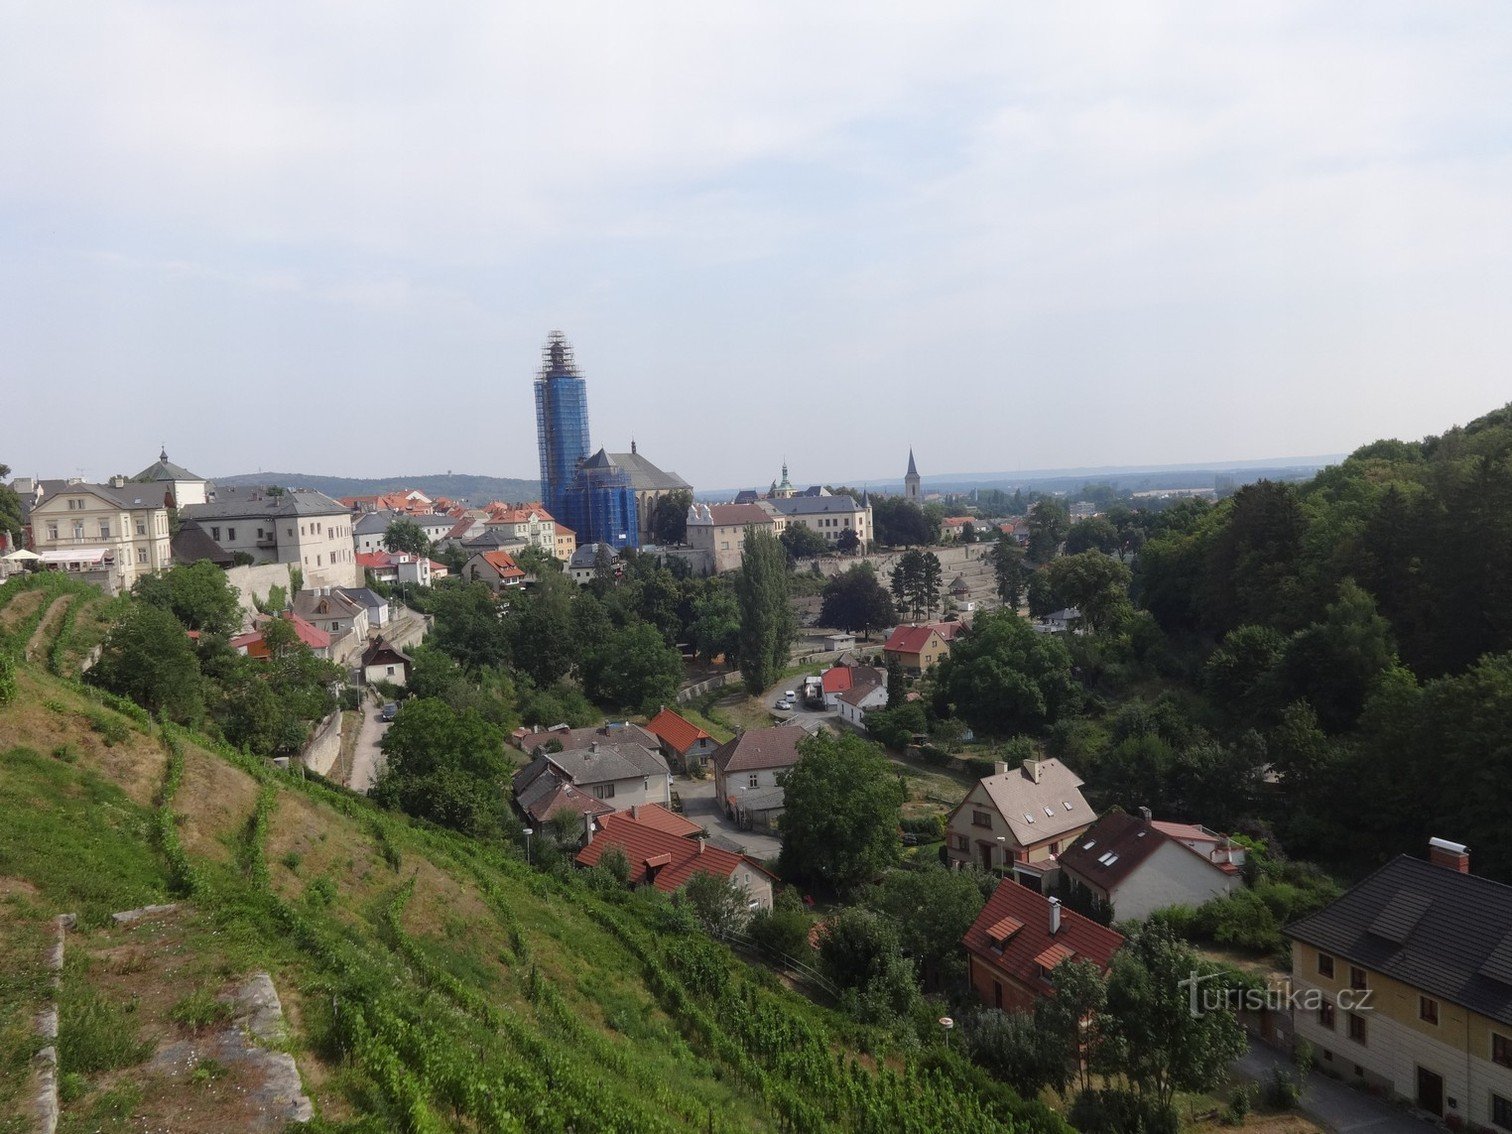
(298, 526)
(1404, 984)
(529, 523)
(827, 516)
(1019, 820)
(719, 530)
(109, 534)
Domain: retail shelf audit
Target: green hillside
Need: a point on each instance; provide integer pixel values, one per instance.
(429, 982)
(454, 486)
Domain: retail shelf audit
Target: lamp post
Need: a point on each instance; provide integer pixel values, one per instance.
(528, 832)
(1003, 853)
(947, 1023)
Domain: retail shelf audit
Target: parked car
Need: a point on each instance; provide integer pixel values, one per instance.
(785, 704)
(388, 712)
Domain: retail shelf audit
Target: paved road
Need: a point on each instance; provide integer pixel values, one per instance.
(367, 760)
(1330, 1102)
(699, 806)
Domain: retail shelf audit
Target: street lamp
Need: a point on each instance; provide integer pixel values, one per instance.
(528, 832)
(947, 1023)
(1003, 852)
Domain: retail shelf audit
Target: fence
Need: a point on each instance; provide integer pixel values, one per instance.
(718, 681)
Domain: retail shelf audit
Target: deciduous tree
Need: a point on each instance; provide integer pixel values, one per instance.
(855, 600)
(840, 817)
(767, 625)
(405, 536)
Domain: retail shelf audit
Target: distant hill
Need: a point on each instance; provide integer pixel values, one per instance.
(456, 486)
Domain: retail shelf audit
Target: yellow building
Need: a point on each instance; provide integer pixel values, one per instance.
(109, 534)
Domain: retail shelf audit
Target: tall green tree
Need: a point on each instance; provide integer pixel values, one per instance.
(148, 658)
(446, 767)
(767, 625)
(1008, 570)
(840, 816)
(669, 518)
(932, 909)
(855, 600)
(916, 581)
(1074, 1021)
(470, 625)
(715, 628)
(1337, 663)
(860, 953)
(1005, 679)
(11, 523)
(633, 669)
(543, 639)
(197, 594)
(1095, 584)
(901, 523)
(1049, 523)
(405, 536)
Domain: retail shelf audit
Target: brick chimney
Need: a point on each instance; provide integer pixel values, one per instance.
(1055, 911)
(700, 844)
(1145, 814)
(1455, 856)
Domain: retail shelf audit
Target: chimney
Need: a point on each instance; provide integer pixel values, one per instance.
(1032, 770)
(1455, 856)
(635, 811)
(593, 746)
(1144, 813)
(700, 841)
(118, 482)
(1054, 916)
(1000, 768)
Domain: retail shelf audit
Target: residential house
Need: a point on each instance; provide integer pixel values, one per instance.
(839, 643)
(384, 661)
(1019, 820)
(1016, 942)
(1058, 622)
(560, 737)
(495, 568)
(1404, 984)
(529, 524)
(1132, 866)
(916, 648)
(344, 619)
(828, 516)
(835, 681)
(683, 743)
(719, 531)
(377, 607)
(566, 542)
(252, 644)
(370, 529)
(179, 486)
(953, 527)
(619, 773)
(396, 567)
(868, 690)
(668, 862)
(108, 534)
(748, 770)
(297, 526)
(586, 561)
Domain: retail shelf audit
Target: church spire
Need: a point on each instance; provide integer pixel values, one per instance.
(913, 469)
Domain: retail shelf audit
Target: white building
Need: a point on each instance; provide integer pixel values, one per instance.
(298, 526)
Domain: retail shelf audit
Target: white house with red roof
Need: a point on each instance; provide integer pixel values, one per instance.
(1134, 867)
(668, 862)
(867, 690)
(495, 568)
(683, 743)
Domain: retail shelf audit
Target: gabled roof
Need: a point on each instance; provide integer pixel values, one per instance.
(381, 650)
(656, 816)
(238, 502)
(192, 543)
(1428, 926)
(909, 639)
(949, 631)
(1034, 811)
(374, 560)
(665, 860)
(308, 604)
(814, 505)
(612, 733)
(501, 562)
(1113, 848)
(646, 477)
(543, 794)
(599, 763)
(1012, 933)
(738, 515)
(364, 596)
(865, 680)
(132, 496)
(837, 679)
(760, 748)
(676, 731)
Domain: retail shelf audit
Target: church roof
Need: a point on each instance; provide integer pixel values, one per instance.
(164, 469)
(646, 477)
(913, 469)
(601, 460)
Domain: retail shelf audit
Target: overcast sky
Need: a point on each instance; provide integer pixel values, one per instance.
(331, 238)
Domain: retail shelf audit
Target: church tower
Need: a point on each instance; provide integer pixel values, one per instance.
(911, 481)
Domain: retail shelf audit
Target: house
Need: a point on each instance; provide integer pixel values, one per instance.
(1019, 820)
(828, 516)
(719, 531)
(297, 526)
(107, 534)
(683, 743)
(393, 568)
(1019, 938)
(376, 605)
(1131, 865)
(748, 769)
(179, 486)
(916, 648)
(953, 527)
(586, 561)
(620, 774)
(667, 861)
(344, 619)
(410, 501)
(835, 681)
(1058, 622)
(868, 690)
(192, 544)
(370, 529)
(566, 542)
(529, 524)
(384, 661)
(839, 643)
(960, 588)
(252, 644)
(562, 737)
(1216, 848)
(495, 568)
(950, 629)
(1404, 984)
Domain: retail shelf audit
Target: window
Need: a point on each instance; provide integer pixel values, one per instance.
(963, 842)
(1326, 1015)
(141, 527)
(215, 534)
(1356, 977)
(104, 529)
(1501, 1112)
(141, 555)
(604, 791)
(981, 819)
(231, 534)
(391, 671)
(317, 561)
(1357, 1028)
(1501, 1049)
(52, 532)
(1054, 847)
(1325, 964)
(754, 780)
(78, 529)
(1428, 1009)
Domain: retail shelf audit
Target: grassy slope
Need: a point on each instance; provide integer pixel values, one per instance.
(430, 983)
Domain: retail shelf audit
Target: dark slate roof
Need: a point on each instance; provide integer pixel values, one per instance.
(913, 469)
(164, 469)
(364, 596)
(193, 543)
(814, 505)
(1112, 849)
(132, 495)
(253, 502)
(646, 477)
(587, 555)
(1431, 927)
(374, 523)
(601, 460)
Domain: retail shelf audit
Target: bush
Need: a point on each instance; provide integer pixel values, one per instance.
(1241, 1102)
(1121, 1112)
(978, 767)
(934, 755)
(1283, 1092)
(200, 1010)
(782, 932)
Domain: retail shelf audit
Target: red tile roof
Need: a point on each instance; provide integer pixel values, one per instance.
(503, 564)
(950, 631)
(676, 731)
(728, 515)
(310, 634)
(909, 639)
(657, 816)
(374, 560)
(1020, 953)
(837, 679)
(669, 860)
(759, 748)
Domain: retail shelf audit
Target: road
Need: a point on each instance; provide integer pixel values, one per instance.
(700, 806)
(367, 760)
(1330, 1102)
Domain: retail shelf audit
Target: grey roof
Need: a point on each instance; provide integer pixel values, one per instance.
(913, 469)
(313, 604)
(374, 523)
(132, 495)
(164, 469)
(1017, 796)
(613, 732)
(587, 555)
(192, 543)
(1430, 927)
(602, 762)
(814, 505)
(363, 596)
(600, 460)
(759, 799)
(646, 477)
(254, 502)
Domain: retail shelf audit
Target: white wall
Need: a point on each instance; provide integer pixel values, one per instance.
(1172, 876)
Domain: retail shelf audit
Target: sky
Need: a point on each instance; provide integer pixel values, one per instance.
(333, 237)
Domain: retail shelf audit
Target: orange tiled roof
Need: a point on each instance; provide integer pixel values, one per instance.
(503, 564)
(1021, 953)
(669, 860)
(676, 731)
(657, 816)
(909, 639)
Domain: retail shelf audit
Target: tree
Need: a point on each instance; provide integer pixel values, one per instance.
(469, 625)
(1253, 560)
(932, 910)
(11, 522)
(1004, 679)
(855, 600)
(840, 817)
(7, 677)
(802, 542)
(1336, 664)
(1160, 1044)
(1013, 1048)
(1094, 534)
(632, 668)
(1074, 1021)
(1048, 525)
(1095, 584)
(782, 932)
(897, 684)
(715, 629)
(148, 658)
(916, 581)
(669, 518)
(1008, 568)
(860, 953)
(197, 594)
(720, 905)
(542, 636)
(1240, 675)
(898, 523)
(405, 536)
(847, 542)
(767, 626)
(446, 767)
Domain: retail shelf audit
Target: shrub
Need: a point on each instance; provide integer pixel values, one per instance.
(200, 1010)
(1241, 1102)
